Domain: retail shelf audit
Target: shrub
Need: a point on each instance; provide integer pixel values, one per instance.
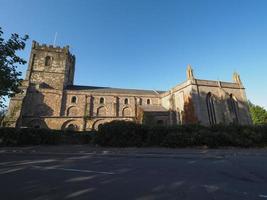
(130, 134)
(121, 134)
(29, 136)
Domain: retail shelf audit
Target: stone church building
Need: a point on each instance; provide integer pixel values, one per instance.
(49, 99)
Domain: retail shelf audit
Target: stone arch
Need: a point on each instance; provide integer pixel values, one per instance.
(37, 123)
(126, 112)
(101, 111)
(72, 111)
(100, 122)
(70, 125)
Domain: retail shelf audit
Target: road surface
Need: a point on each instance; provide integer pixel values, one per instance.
(80, 172)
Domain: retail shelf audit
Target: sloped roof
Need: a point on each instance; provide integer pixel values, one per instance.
(113, 90)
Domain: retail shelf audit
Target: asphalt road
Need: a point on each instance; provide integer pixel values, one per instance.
(49, 173)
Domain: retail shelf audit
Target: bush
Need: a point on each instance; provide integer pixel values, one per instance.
(121, 134)
(130, 134)
(29, 136)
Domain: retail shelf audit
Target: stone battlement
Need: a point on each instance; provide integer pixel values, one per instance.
(45, 47)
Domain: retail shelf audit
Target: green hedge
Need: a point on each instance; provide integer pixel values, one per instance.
(129, 134)
(28, 136)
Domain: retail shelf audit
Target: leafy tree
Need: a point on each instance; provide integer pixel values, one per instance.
(9, 61)
(258, 114)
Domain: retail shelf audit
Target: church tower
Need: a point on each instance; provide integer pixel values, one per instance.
(50, 67)
(50, 71)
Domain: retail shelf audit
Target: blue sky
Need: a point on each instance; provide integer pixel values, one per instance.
(148, 43)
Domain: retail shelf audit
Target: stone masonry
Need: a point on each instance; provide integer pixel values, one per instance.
(49, 99)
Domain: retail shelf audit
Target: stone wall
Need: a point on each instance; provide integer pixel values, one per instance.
(48, 102)
(53, 67)
(221, 95)
(189, 101)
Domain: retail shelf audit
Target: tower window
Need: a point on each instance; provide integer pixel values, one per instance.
(126, 101)
(74, 99)
(148, 101)
(48, 61)
(140, 101)
(102, 100)
(210, 108)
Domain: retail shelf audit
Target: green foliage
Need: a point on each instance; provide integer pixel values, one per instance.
(9, 61)
(258, 114)
(29, 136)
(120, 134)
(129, 134)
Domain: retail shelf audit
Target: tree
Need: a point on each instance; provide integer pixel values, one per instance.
(258, 114)
(9, 61)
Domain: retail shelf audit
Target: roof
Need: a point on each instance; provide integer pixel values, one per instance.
(113, 90)
(153, 108)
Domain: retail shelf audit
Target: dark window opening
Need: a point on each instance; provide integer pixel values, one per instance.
(211, 109)
(126, 101)
(73, 99)
(233, 107)
(71, 127)
(102, 100)
(148, 101)
(48, 61)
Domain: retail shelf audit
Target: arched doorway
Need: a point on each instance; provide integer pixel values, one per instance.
(70, 125)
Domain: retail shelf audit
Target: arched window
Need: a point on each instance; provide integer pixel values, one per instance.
(233, 108)
(48, 61)
(72, 111)
(210, 108)
(74, 99)
(101, 111)
(126, 112)
(148, 101)
(126, 101)
(101, 100)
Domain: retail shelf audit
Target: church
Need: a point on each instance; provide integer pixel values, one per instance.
(50, 99)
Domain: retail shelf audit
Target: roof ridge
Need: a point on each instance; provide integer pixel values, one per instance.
(101, 87)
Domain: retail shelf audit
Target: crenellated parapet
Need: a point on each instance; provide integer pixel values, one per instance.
(52, 48)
